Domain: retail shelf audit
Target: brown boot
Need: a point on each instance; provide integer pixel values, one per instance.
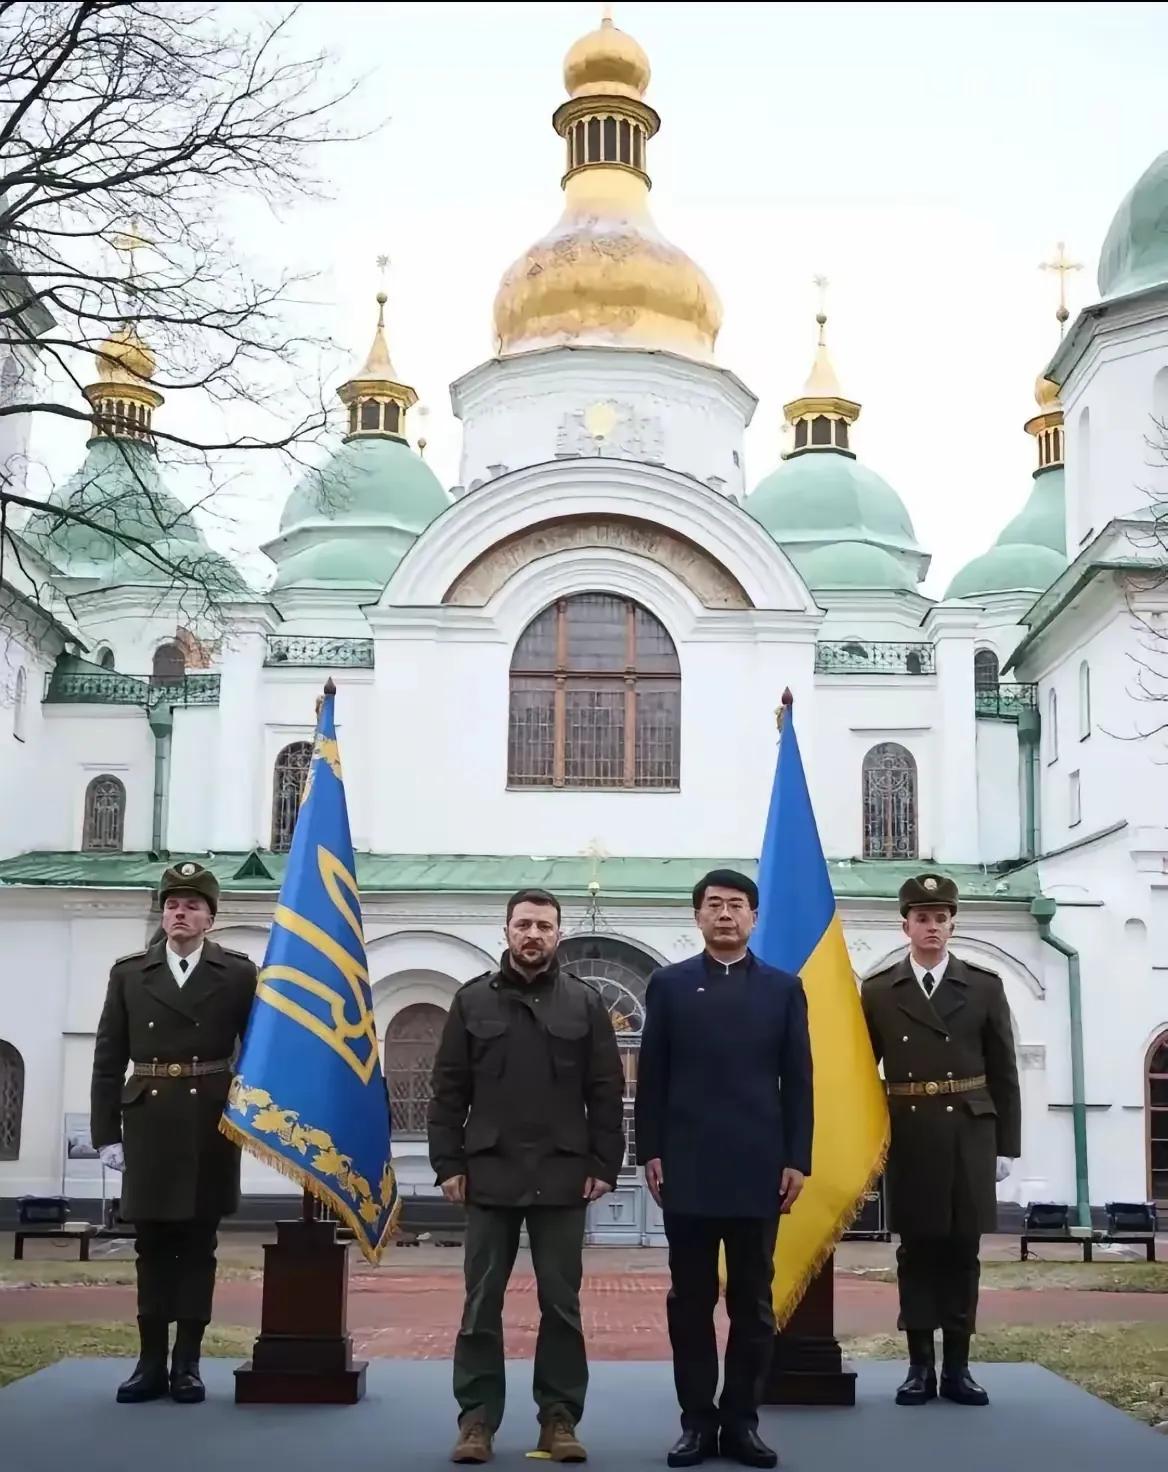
(474, 1442)
(558, 1438)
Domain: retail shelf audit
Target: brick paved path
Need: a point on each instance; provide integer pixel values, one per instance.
(415, 1315)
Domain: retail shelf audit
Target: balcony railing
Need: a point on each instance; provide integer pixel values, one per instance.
(1004, 701)
(92, 687)
(315, 653)
(851, 657)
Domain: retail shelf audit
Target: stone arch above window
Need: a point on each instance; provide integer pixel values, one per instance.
(411, 1041)
(595, 698)
(11, 1100)
(288, 779)
(891, 827)
(103, 827)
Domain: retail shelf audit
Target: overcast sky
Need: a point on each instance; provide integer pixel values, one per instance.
(925, 158)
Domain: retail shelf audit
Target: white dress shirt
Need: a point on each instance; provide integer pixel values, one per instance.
(936, 972)
(173, 960)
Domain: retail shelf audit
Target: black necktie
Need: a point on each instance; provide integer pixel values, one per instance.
(183, 963)
(928, 983)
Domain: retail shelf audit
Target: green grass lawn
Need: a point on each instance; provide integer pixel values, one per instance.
(1096, 1277)
(1126, 1364)
(25, 1348)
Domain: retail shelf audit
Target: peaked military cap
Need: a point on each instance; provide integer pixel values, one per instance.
(190, 878)
(928, 889)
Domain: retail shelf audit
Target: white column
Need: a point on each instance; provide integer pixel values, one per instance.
(954, 807)
(236, 822)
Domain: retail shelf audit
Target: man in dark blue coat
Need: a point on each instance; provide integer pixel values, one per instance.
(723, 1129)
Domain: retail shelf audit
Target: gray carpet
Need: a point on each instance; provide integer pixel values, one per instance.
(66, 1417)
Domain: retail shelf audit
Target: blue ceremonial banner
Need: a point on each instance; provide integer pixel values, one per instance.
(308, 1096)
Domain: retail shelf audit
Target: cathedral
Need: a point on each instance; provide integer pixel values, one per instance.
(564, 671)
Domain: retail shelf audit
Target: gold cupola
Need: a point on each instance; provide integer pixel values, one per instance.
(820, 417)
(1047, 424)
(604, 275)
(122, 400)
(376, 399)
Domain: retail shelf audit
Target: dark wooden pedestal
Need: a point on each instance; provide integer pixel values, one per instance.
(303, 1354)
(808, 1367)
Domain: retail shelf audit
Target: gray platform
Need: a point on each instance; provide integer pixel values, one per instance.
(66, 1416)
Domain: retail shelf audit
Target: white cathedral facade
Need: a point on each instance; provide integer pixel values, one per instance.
(564, 671)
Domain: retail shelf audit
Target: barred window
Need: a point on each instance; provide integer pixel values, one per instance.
(985, 670)
(104, 816)
(11, 1100)
(287, 789)
(1157, 1120)
(595, 698)
(890, 803)
(411, 1041)
(169, 667)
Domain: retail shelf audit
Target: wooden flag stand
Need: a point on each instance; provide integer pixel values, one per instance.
(303, 1354)
(808, 1367)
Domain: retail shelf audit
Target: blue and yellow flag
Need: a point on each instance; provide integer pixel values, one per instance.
(308, 1096)
(799, 930)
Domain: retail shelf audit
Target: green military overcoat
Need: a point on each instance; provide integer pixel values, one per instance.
(178, 1165)
(942, 1159)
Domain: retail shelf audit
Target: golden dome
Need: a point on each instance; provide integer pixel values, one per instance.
(606, 63)
(605, 275)
(1046, 394)
(124, 352)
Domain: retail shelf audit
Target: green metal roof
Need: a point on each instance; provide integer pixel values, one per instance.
(1135, 253)
(826, 496)
(1030, 553)
(666, 880)
(851, 565)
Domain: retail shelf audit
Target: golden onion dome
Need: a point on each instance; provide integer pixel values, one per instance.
(605, 275)
(124, 352)
(1046, 394)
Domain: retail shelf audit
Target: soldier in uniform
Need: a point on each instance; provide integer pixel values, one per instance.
(173, 1015)
(942, 1029)
(526, 1128)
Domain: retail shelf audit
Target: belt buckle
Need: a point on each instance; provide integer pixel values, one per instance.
(174, 1069)
(932, 1087)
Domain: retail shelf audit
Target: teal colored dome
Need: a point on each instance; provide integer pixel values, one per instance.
(851, 565)
(365, 561)
(823, 496)
(1135, 252)
(372, 479)
(1031, 551)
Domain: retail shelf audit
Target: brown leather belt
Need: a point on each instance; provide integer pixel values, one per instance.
(939, 1086)
(194, 1069)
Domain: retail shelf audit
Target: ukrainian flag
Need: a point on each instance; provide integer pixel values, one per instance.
(308, 1096)
(799, 930)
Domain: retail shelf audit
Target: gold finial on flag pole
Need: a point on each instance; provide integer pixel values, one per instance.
(788, 701)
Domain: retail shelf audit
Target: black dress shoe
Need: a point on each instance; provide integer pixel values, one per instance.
(148, 1382)
(745, 1446)
(919, 1386)
(959, 1386)
(185, 1385)
(692, 1448)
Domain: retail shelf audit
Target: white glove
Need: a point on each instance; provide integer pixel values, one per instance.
(113, 1157)
(1005, 1165)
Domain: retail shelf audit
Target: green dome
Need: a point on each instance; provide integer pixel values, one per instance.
(1030, 553)
(1135, 253)
(370, 480)
(823, 496)
(365, 561)
(851, 565)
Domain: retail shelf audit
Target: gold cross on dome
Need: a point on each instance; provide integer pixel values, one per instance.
(1063, 267)
(129, 243)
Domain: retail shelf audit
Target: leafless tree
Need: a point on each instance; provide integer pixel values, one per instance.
(133, 137)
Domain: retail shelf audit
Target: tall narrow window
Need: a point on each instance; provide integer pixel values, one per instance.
(19, 702)
(985, 670)
(169, 666)
(890, 803)
(411, 1041)
(105, 816)
(1074, 802)
(11, 1100)
(1157, 1120)
(595, 698)
(288, 781)
(1051, 727)
(1084, 701)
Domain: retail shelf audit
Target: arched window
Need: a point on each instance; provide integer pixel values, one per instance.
(19, 697)
(985, 670)
(620, 972)
(1051, 727)
(890, 803)
(287, 789)
(105, 658)
(105, 816)
(11, 1101)
(411, 1040)
(1157, 1117)
(169, 667)
(1084, 701)
(595, 698)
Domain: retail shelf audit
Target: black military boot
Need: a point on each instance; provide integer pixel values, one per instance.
(185, 1385)
(149, 1380)
(693, 1447)
(957, 1384)
(920, 1384)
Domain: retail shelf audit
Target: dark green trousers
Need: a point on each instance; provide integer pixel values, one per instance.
(556, 1234)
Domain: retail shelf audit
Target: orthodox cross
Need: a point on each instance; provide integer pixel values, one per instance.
(1063, 267)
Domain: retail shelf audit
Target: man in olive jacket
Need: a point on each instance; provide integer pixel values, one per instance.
(525, 1126)
(176, 1011)
(942, 1028)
